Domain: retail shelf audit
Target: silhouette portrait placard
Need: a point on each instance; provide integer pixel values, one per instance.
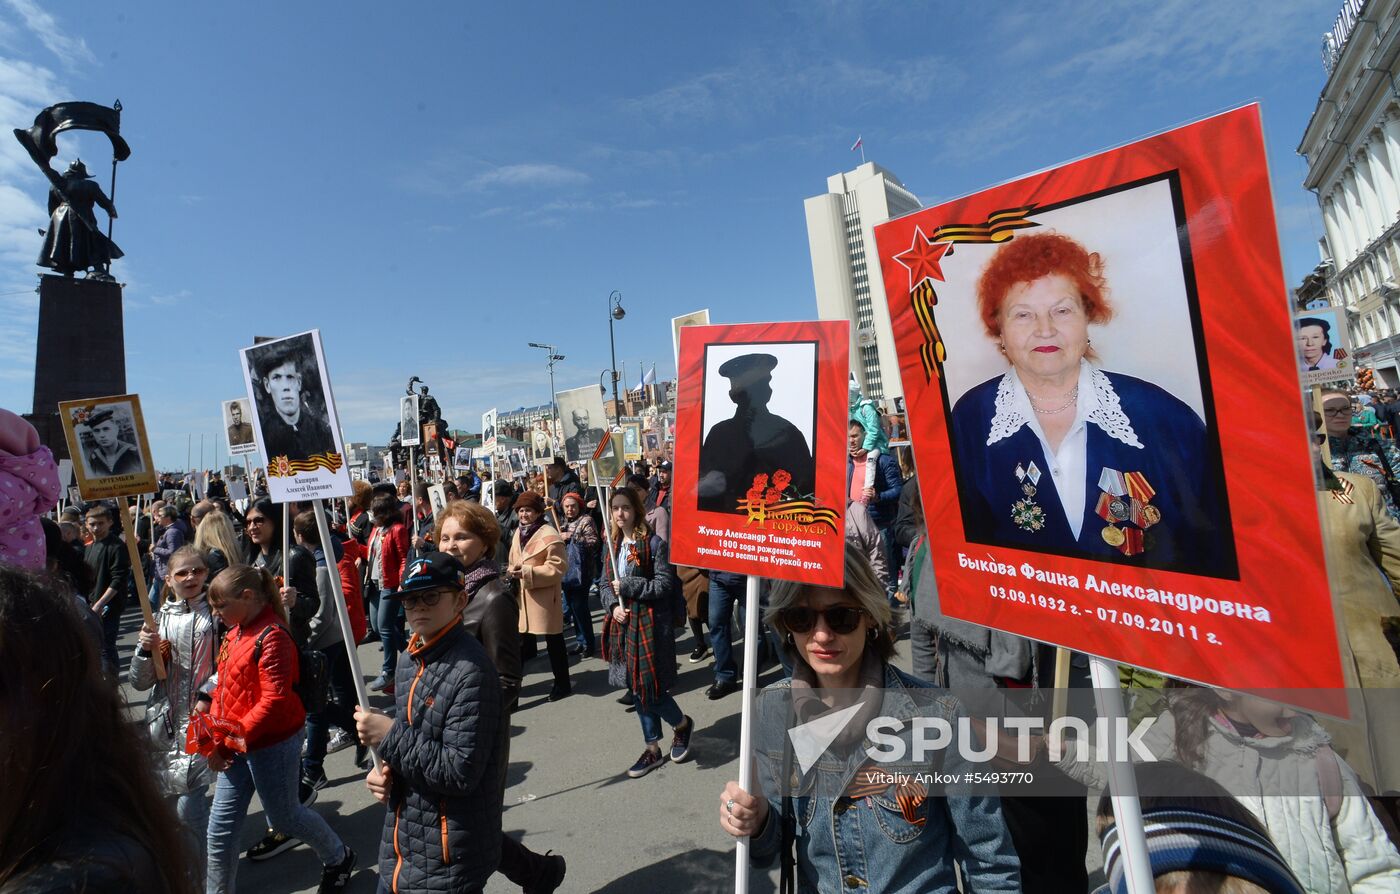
(760, 450)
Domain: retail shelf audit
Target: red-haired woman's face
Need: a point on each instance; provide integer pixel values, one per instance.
(1044, 328)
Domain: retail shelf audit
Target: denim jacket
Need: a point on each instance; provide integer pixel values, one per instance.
(868, 843)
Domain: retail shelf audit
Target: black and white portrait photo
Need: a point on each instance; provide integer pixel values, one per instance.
(238, 427)
(295, 419)
(541, 442)
(585, 424)
(410, 435)
(759, 418)
(285, 381)
(488, 431)
(108, 437)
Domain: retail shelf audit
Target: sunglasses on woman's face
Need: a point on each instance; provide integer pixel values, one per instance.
(255, 520)
(428, 598)
(841, 619)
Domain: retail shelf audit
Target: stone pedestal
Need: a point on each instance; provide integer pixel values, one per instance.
(81, 349)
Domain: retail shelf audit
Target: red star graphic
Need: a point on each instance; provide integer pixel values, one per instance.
(922, 258)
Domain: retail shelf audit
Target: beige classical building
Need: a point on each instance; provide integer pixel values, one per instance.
(1352, 146)
(846, 269)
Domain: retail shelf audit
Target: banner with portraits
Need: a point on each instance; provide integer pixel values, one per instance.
(238, 427)
(1076, 349)
(295, 419)
(107, 440)
(760, 453)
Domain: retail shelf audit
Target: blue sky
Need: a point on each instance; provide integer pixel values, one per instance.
(434, 185)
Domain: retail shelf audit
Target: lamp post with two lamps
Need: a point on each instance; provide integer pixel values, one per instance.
(615, 312)
(554, 357)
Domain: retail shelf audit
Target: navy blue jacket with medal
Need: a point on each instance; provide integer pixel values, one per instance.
(1170, 516)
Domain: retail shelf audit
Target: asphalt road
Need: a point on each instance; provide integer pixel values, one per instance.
(567, 789)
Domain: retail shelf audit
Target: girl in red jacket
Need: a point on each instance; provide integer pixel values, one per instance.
(257, 668)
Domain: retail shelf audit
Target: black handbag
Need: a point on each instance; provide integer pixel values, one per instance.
(313, 678)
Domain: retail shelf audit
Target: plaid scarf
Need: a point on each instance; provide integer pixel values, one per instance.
(633, 644)
(481, 572)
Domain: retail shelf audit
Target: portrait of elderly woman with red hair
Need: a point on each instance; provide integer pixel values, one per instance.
(1060, 456)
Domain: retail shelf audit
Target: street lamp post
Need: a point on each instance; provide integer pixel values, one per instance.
(615, 312)
(554, 357)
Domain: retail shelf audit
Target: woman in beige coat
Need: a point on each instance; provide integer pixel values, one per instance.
(538, 561)
(1363, 546)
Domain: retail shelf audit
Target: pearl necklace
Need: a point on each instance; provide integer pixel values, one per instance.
(1073, 398)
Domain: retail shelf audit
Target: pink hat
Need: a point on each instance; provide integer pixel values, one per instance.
(28, 487)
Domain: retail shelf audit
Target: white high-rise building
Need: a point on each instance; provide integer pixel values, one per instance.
(846, 269)
(1352, 146)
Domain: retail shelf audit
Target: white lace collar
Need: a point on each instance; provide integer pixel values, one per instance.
(1098, 403)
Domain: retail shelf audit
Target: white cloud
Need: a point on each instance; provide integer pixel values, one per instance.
(72, 50)
(763, 85)
(532, 175)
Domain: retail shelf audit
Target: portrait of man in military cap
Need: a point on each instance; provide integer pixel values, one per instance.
(759, 419)
(109, 443)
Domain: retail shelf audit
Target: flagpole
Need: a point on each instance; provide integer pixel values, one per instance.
(112, 193)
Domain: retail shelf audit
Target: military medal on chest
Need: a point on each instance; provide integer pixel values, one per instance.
(1125, 502)
(1026, 513)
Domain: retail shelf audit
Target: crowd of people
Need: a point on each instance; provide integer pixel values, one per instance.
(251, 686)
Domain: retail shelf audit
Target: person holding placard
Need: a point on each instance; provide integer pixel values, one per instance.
(841, 643)
(187, 640)
(639, 597)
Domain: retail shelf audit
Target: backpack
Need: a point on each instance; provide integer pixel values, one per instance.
(313, 671)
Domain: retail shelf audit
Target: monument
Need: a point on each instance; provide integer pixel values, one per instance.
(81, 349)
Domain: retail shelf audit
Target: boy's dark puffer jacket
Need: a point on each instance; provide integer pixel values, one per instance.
(443, 828)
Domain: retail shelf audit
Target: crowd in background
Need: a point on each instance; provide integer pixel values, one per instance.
(257, 687)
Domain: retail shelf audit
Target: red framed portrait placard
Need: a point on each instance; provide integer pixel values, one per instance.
(1102, 387)
(760, 451)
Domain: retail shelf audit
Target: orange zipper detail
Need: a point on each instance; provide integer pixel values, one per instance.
(398, 855)
(416, 677)
(446, 854)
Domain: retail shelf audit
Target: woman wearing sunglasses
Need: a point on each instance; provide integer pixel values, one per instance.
(893, 837)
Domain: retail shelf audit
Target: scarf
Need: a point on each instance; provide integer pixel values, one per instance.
(633, 644)
(528, 531)
(479, 574)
